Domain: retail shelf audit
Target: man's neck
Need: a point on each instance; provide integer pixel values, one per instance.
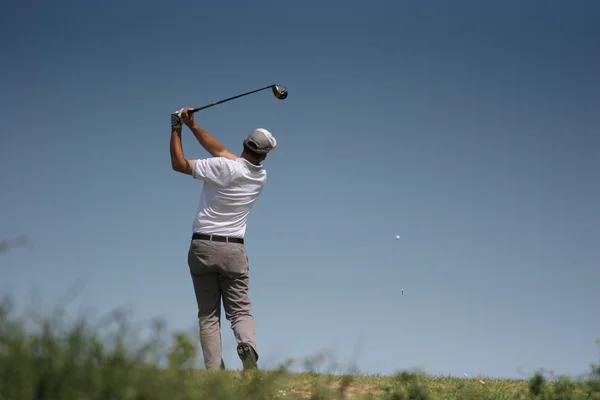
(249, 159)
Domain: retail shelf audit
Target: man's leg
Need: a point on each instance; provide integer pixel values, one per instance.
(234, 284)
(208, 298)
(237, 310)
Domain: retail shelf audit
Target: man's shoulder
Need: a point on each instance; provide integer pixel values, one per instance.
(216, 170)
(223, 162)
(220, 159)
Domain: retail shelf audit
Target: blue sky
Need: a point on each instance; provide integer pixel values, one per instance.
(469, 128)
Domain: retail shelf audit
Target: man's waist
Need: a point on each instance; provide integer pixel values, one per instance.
(217, 238)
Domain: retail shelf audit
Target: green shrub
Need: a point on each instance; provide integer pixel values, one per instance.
(47, 358)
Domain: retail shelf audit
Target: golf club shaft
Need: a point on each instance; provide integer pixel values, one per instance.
(231, 98)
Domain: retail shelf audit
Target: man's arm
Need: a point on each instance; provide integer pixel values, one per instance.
(178, 161)
(209, 142)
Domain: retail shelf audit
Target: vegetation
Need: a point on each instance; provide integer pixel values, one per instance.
(48, 358)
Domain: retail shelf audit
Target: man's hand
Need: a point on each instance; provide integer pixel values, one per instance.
(176, 120)
(187, 117)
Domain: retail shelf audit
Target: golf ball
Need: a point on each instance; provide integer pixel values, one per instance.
(397, 237)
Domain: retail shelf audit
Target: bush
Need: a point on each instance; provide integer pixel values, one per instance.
(48, 359)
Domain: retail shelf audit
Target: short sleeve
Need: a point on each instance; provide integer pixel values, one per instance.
(217, 171)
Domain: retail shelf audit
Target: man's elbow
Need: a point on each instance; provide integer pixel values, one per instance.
(177, 167)
(184, 167)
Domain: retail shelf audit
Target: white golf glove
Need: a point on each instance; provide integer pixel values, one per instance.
(176, 120)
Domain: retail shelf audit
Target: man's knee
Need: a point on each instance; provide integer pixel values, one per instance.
(238, 314)
(209, 323)
(236, 305)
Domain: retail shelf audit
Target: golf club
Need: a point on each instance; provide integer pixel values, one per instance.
(279, 91)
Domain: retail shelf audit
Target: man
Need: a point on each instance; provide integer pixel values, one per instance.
(217, 258)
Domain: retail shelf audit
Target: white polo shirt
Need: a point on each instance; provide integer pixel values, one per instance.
(230, 189)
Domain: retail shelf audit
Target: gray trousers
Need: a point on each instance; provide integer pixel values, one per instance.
(219, 273)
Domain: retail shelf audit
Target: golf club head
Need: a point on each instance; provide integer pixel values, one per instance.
(280, 91)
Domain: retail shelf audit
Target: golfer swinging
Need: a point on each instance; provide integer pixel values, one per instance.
(217, 258)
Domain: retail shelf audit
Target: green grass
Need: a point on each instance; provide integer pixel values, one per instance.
(47, 358)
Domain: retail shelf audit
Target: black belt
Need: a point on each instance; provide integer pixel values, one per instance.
(217, 238)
